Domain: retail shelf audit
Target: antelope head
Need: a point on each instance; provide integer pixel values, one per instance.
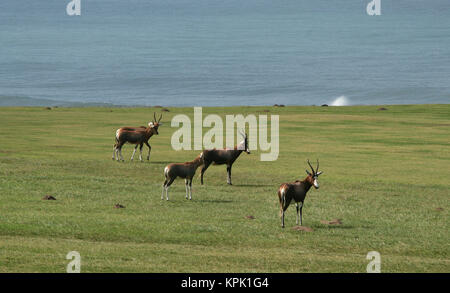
(244, 144)
(312, 177)
(155, 124)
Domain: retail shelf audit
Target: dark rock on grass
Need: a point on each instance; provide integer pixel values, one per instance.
(250, 217)
(265, 110)
(119, 206)
(324, 105)
(302, 228)
(165, 110)
(439, 209)
(48, 108)
(332, 222)
(382, 109)
(49, 197)
(280, 105)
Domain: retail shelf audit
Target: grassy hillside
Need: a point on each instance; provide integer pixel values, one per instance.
(386, 175)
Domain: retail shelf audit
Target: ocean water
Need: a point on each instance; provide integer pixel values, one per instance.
(224, 52)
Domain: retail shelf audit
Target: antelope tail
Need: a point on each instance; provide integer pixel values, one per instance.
(166, 171)
(282, 197)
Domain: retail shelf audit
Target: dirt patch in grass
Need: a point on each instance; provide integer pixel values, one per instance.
(49, 197)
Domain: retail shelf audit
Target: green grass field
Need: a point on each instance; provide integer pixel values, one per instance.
(386, 175)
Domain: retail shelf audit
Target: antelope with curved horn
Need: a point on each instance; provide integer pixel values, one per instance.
(297, 191)
(137, 136)
(225, 156)
(182, 170)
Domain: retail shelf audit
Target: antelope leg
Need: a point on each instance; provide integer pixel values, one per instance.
(205, 166)
(163, 189)
(286, 202)
(149, 149)
(120, 153)
(282, 199)
(301, 208)
(229, 175)
(132, 156)
(117, 153)
(190, 189)
(167, 187)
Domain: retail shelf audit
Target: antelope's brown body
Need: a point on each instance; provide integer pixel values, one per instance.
(294, 191)
(224, 157)
(183, 170)
(137, 136)
(297, 191)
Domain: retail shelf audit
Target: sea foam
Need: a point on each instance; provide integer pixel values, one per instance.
(341, 101)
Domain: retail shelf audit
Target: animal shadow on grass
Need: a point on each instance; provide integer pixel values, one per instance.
(160, 162)
(252, 185)
(315, 227)
(332, 226)
(215, 200)
(181, 199)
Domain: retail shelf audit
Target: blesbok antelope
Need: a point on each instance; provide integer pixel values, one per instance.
(182, 170)
(297, 191)
(137, 136)
(224, 156)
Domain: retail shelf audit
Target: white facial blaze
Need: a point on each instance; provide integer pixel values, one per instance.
(316, 183)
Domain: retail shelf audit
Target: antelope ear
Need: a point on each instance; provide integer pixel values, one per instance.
(307, 172)
(319, 173)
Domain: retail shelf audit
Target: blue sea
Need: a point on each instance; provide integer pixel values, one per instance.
(224, 52)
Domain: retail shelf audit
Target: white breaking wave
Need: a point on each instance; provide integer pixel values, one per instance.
(341, 101)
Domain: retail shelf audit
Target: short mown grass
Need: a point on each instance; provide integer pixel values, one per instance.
(386, 175)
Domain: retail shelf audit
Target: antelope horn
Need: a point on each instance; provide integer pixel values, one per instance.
(317, 169)
(154, 117)
(159, 118)
(311, 166)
